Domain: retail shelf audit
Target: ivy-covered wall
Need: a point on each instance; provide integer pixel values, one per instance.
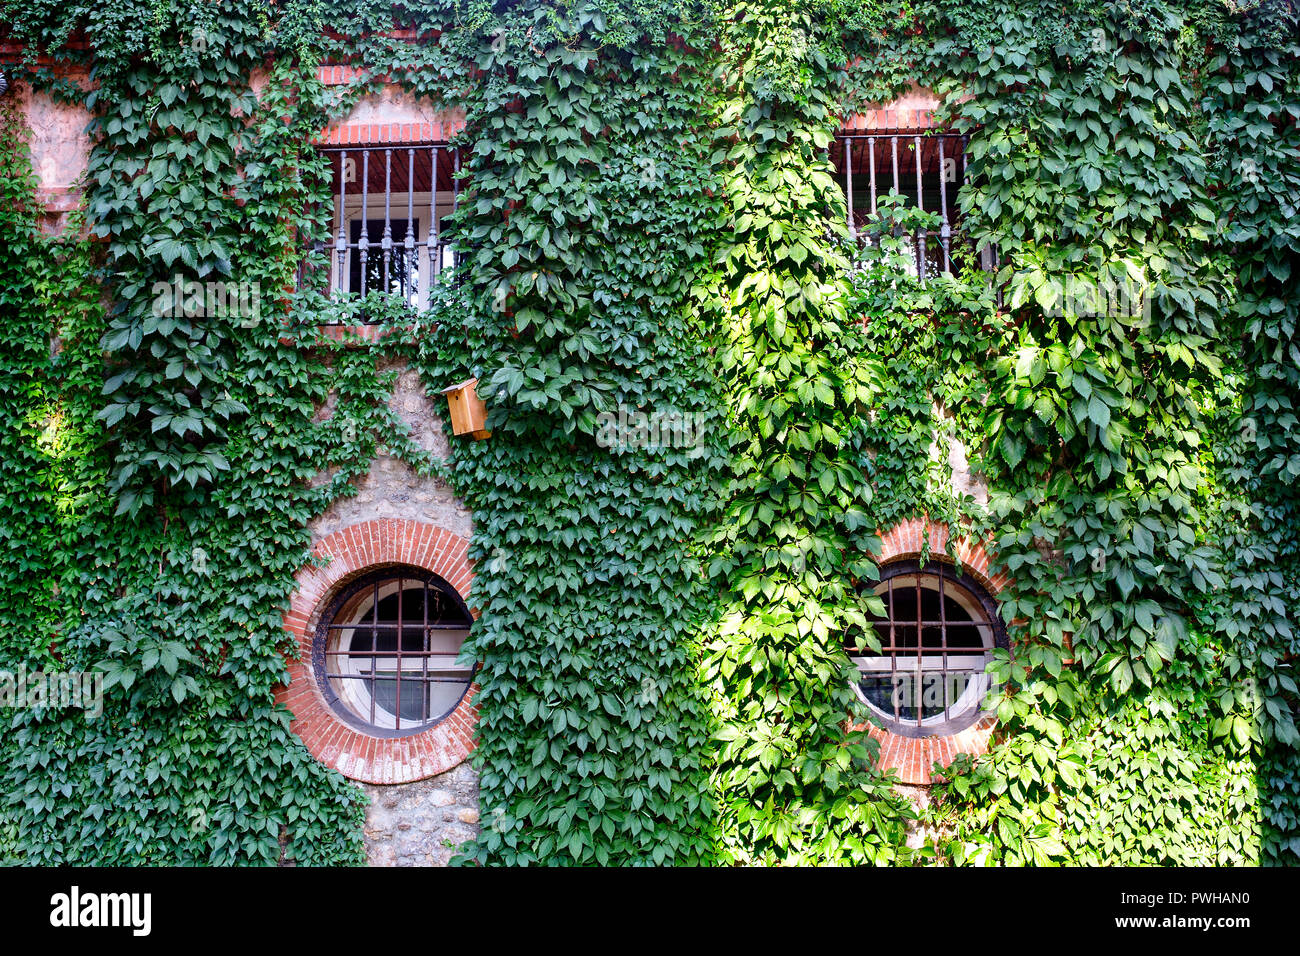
(649, 220)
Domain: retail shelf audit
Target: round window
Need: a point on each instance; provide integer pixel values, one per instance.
(936, 637)
(387, 651)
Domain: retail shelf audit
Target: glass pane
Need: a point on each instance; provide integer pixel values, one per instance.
(413, 709)
(403, 276)
(879, 692)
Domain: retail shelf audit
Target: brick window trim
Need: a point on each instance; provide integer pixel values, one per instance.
(442, 127)
(890, 119)
(440, 130)
(912, 757)
(451, 123)
(352, 552)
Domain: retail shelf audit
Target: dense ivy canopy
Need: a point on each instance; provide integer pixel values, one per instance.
(649, 222)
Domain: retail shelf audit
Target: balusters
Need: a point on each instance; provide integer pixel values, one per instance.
(409, 272)
(363, 244)
(848, 183)
(399, 260)
(386, 242)
(929, 166)
(341, 243)
(945, 231)
(920, 205)
(435, 234)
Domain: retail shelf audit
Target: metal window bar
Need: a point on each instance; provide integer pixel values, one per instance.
(435, 231)
(893, 658)
(920, 204)
(871, 164)
(920, 665)
(848, 185)
(943, 642)
(443, 674)
(919, 652)
(411, 253)
(363, 243)
(401, 620)
(424, 657)
(374, 645)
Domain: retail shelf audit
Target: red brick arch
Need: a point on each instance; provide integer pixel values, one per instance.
(912, 757)
(352, 551)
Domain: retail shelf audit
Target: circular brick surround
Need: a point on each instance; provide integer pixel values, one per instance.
(912, 757)
(352, 551)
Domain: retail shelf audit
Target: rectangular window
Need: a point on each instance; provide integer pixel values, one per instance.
(927, 170)
(388, 225)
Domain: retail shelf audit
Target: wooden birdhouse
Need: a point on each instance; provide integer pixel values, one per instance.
(468, 413)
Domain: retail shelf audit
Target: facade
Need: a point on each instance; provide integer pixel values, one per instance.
(382, 155)
(380, 690)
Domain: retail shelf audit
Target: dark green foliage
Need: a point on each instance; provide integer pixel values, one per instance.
(584, 225)
(168, 573)
(648, 222)
(1141, 452)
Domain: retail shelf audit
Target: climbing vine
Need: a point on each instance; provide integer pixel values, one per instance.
(171, 478)
(1145, 686)
(794, 786)
(587, 187)
(649, 231)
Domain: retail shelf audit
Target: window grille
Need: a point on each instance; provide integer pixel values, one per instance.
(388, 230)
(936, 637)
(387, 651)
(926, 170)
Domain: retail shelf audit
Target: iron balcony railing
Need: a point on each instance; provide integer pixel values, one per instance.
(390, 206)
(926, 170)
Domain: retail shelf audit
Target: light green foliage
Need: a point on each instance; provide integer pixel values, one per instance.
(649, 221)
(793, 785)
(1150, 569)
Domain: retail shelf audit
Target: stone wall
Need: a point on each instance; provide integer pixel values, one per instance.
(421, 824)
(391, 488)
(60, 150)
(947, 449)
